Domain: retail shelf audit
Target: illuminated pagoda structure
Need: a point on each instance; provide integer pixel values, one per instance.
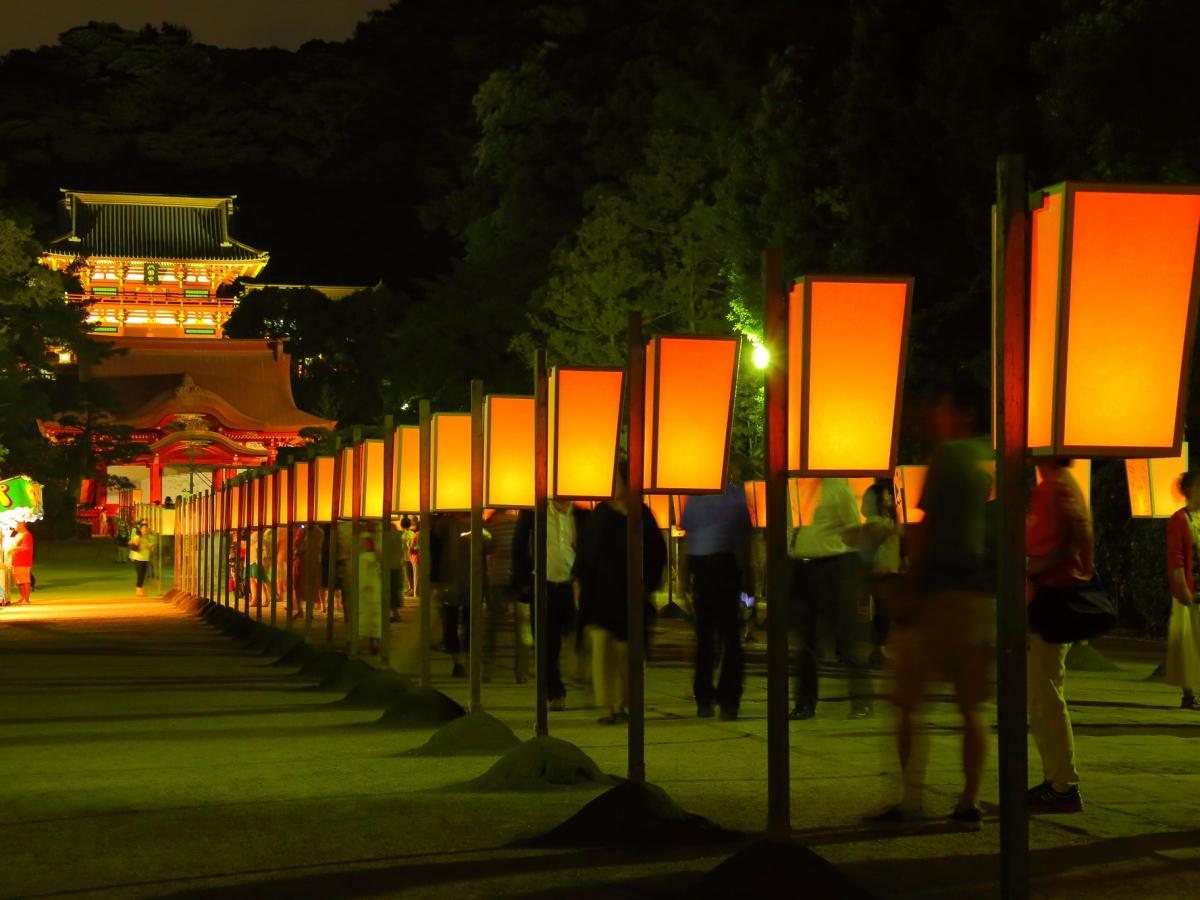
(159, 275)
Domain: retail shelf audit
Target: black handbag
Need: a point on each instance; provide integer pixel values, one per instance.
(1064, 615)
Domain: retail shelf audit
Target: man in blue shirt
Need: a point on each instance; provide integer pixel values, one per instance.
(714, 569)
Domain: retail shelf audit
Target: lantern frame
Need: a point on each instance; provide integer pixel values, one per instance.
(320, 473)
(346, 494)
(653, 411)
(400, 461)
(1175, 466)
(300, 483)
(435, 467)
(487, 452)
(1068, 191)
(799, 401)
(366, 451)
(555, 444)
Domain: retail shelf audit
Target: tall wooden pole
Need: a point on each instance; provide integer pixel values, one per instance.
(223, 545)
(273, 518)
(476, 613)
(779, 814)
(1011, 273)
(289, 503)
(351, 589)
(312, 566)
(425, 545)
(260, 511)
(385, 538)
(541, 473)
(635, 580)
(331, 568)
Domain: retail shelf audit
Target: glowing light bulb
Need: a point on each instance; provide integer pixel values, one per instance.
(761, 357)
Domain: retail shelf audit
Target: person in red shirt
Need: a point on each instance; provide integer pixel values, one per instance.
(21, 561)
(1059, 543)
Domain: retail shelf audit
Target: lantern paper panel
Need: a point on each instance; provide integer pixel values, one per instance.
(346, 508)
(910, 481)
(451, 462)
(847, 347)
(690, 383)
(300, 490)
(756, 502)
(266, 499)
(320, 499)
(371, 479)
(406, 490)
(660, 508)
(235, 506)
(584, 430)
(281, 491)
(1154, 485)
(508, 467)
(1112, 318)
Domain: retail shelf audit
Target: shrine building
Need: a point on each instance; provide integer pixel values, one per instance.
(159, 276)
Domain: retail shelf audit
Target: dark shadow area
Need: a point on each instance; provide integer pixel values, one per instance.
(217, 713)
(1191, 732)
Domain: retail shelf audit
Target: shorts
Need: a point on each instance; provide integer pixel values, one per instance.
(23, 574)
(953, 641)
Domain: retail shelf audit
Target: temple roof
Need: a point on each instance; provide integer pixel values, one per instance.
(151, 227)
(244, 385)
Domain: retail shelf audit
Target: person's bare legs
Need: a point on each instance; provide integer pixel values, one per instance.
(911, 747)
(974, 755)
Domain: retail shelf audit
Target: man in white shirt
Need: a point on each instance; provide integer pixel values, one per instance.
(828, 582)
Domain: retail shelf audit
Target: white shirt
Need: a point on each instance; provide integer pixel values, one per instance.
(836, 513)
(560, 543)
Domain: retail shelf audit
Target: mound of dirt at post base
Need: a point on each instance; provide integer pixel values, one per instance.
(380, 688)
(347, 676)
(539, 764)
(420, 707)
(297, 655)
(476, 734)
(325, 663)
(634, 814)
(758, 870)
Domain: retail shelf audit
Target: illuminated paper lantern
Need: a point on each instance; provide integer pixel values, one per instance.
(910, 481)
(281, 492)
(266, 499)
(321, 488)
(847, 347)
(690, 382)
(346, 504)
(300, 487)
(371, 478)
(756, 502)
(451, 453)
(406, 491)
(1111, 318)
(508, 465)
(235, 506)
(1154, 485)
(1082, 470)
(660, 508)
(584, 430)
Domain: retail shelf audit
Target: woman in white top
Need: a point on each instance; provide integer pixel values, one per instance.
(140, 545)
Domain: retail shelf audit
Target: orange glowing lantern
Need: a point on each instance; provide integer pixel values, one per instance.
(585, 426)
(300, 487)
(371, 476)
(235, 506)
(1082, 470)
(660, 508)
(847, 347)
(266, 499)
(756, 502)
(281, 491)
(451, 453)
(346, 506)
(1154, 485)
(1113, 290)
(406, 490)
(508, 452)
(910, 481)
(690, 382)
(321, 488)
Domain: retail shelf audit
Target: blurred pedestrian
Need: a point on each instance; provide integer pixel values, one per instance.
(498, 593)
(944, 628)
(1059, 546)
(397, 554)
(715, 571)
(407, 538)
(141, 545)
(450, 576)
(601, 590)
(829, 584)
(368, 585)
(881, 552)
(1183, 632)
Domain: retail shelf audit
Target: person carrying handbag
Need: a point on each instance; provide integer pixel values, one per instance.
(1060, 547)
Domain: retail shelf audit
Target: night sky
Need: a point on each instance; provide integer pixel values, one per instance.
(226, 23)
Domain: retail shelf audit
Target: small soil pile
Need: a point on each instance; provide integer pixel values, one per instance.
(477, 734)
(324, 664)
(1083, 657)
(538, 764)
(379, 689)
(420, 708)
(298, 655)
(634, 814)
(759, 869)
(348, 676)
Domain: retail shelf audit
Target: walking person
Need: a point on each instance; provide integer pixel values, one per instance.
(397, 554)
(1059, 547)
(1183, 632)
(407, 537)
(450, 577)
(944, 628)
(564, 524)
(828, 583)
(601, 589)
(715, 570)
(498, 594)
(881, 552)
(20, 560)
(141, 544)
(368, 582)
